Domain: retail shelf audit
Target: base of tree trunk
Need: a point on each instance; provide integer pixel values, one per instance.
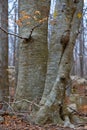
(45, 115)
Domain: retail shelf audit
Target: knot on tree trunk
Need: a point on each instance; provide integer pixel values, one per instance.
(65, 38)
(62, 77)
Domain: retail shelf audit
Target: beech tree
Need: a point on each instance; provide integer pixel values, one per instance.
(33, 54)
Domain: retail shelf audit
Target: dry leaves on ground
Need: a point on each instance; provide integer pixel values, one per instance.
(12, 122)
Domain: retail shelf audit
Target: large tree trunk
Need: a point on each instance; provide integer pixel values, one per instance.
(55, 49)
(4, 89)
(67, 26)
(33, 54)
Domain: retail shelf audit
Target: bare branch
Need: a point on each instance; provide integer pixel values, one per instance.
(31, 31)
(25, 38)
(11, 33)
(78, 113)
(27, 102)
(12, 7)
(10, 107)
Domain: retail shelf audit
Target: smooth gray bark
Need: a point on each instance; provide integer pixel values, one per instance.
(60, 28)
(32, 54)
(67, 20)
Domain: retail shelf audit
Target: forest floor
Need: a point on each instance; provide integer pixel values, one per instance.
(12, 122)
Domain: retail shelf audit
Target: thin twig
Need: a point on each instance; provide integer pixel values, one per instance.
(31, 31)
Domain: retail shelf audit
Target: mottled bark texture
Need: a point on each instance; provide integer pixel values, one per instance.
(4, 89)
(67, 23)
(33, 54)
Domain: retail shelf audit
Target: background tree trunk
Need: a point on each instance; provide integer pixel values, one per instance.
(4, 89)
(81, 53)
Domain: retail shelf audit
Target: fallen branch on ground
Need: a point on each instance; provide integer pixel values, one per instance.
(77, 112)
(31, 102)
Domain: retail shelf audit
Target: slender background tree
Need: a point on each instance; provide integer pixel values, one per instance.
(4, 87)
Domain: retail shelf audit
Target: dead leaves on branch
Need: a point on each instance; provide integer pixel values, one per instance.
(26, 19)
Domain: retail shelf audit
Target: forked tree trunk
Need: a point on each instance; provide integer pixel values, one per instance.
(33, 54)
(59, 27)
(67, 26)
